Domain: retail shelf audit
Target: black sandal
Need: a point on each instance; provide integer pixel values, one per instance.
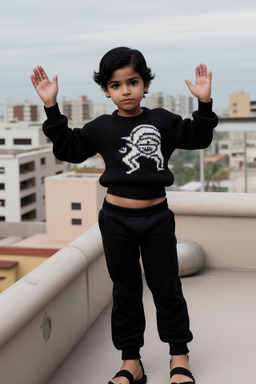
(184, 372)
(129, 376)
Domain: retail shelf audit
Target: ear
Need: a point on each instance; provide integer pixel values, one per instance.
(146, 86)
(106, 92)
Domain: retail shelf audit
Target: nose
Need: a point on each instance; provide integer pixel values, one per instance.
(125, 90)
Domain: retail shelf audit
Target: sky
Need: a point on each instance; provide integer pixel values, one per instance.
(68, 38)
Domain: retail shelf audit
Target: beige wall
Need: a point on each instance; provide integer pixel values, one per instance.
(26, 263)
(24, 266)
(65, 189)
(223, 224)
(239, 105)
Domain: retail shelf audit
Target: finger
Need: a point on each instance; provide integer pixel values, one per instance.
(203, 70)
(189, 84)
(199, 70)
(33, 80)
(210, 75)
(55, 79)
(37, 75)
(42, 72)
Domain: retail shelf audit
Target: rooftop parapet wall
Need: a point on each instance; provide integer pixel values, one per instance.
(223, 224)
(44, 314)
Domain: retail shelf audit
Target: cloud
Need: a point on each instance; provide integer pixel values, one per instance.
(69, 38)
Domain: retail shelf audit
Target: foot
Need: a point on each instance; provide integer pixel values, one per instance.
(180, 361)
(132, 366)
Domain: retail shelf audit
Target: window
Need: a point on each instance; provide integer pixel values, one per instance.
(43, 161)
(22, 141)
(2, 218)
(76, 206)
(2, 170)
(2, 186)
(2, 203)
(27, 167)
(2, 141)
(76, 221)
(31, 215)
(29, 183)
(30, 199)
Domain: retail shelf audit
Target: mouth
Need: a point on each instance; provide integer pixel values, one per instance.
(126, 101)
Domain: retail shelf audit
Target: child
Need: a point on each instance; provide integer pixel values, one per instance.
(136, 144)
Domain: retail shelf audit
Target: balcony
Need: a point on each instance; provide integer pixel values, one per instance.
(55, 322)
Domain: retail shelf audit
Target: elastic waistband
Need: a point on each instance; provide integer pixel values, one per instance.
(135, 211)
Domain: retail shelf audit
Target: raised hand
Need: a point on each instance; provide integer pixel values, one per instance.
(46, 90)
(202, 87)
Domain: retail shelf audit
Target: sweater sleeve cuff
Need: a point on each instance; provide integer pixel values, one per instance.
(205, 109)
(53, 113)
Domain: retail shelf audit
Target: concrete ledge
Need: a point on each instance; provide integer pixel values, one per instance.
(23, 229)
(44, 314)
(223, 224)
(213, 204)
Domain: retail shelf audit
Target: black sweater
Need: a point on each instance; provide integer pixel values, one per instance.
(136, 149)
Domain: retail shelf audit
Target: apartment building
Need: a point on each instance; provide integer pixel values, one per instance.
(27, 111)
(181, 105)
(78, 111)
(240, 105)
(22, 174)
(21, 135)
(156, 100)
(75, 199)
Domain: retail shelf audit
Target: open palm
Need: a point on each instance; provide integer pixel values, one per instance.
(46, 89)
(202, 87)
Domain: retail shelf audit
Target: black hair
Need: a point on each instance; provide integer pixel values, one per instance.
(118, 58)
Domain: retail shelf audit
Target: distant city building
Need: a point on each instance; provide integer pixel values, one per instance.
(181, 105)
(78, 111)
(233, 146)
(237, 142)
(240, 105)
(72, 202)
(21, 112)
(74, 198)
(22, 174)
(21, 135)
(156, 100)
(98, 110)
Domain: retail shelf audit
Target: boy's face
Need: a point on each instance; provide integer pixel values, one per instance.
(126, 89)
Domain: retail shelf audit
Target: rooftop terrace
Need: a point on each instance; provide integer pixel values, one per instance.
(54, 323)
(223, 315)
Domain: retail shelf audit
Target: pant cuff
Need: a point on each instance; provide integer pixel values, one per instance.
(178, 349)
(131, 354)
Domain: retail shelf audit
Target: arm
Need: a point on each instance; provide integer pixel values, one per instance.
(46, 90)
(71, 145)
(198, 133)
(202, 87)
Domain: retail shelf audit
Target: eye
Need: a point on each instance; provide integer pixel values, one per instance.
(115, 86)
(134, 82)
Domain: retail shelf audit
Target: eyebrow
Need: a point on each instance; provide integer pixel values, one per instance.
(117, 81)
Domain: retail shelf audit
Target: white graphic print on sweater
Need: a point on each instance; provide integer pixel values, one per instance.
(144, 140)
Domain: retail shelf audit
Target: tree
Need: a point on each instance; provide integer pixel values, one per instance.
(212, 172)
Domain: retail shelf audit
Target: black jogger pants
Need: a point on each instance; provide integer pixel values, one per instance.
(128, 233)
